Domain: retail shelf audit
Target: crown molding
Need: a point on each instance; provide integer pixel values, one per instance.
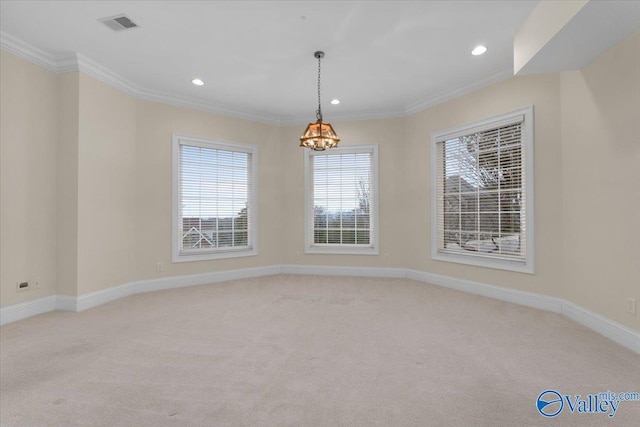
(97, 71)
(74, 62)
(451, 94)
(178, 101)
(301, 119)
(28, 52)
(67, 64)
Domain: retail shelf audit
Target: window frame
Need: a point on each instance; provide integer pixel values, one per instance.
(339, 248)
(252, 234)
(527, 149)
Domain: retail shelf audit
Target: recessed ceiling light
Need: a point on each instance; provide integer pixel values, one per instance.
(197, 82)
(478, 50)
(335, 101)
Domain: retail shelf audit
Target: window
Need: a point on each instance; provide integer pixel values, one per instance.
(214, 199)
(342, 200)
(482, 193)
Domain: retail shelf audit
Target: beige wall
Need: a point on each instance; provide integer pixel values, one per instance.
(67, 184)
(106, 186)
(114, 187)
(28, 135)
(156, 123)
(601, 182)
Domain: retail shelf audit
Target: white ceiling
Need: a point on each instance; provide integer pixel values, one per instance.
(383, 58)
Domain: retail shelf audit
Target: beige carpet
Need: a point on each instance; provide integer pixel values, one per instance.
(306, 350)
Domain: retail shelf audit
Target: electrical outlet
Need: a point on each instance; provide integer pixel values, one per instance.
(159, 266)
(37, 285)
(630, 306)
(22, 286)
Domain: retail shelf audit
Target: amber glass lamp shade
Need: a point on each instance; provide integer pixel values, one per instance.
(319, 136)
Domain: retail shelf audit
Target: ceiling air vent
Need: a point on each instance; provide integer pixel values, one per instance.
(119, 23)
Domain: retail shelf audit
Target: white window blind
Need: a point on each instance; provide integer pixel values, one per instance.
(214, 198)
(341, 198)
(481, 191)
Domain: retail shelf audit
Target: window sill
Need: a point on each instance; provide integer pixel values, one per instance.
(213, 255)
(478, 261)
(341, 250)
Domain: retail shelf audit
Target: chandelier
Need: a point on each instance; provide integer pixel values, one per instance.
(319, 136)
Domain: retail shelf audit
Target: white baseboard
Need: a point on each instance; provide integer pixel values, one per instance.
(600, 324)
(66, 303)
(23, 310)
(327, 270)
(610, 329)
(528, 299)
(202, 279)
(94, 299)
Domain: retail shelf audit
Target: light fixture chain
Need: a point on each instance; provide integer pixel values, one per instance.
(319, 112)
(319, 136)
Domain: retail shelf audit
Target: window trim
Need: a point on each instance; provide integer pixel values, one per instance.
(341, 249)
(231, 146)
(522, 266)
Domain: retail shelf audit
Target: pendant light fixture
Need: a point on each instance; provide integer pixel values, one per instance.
(319, 136)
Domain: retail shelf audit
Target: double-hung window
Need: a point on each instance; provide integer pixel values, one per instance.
(342, 200)
(482, 193)
(214, 199)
